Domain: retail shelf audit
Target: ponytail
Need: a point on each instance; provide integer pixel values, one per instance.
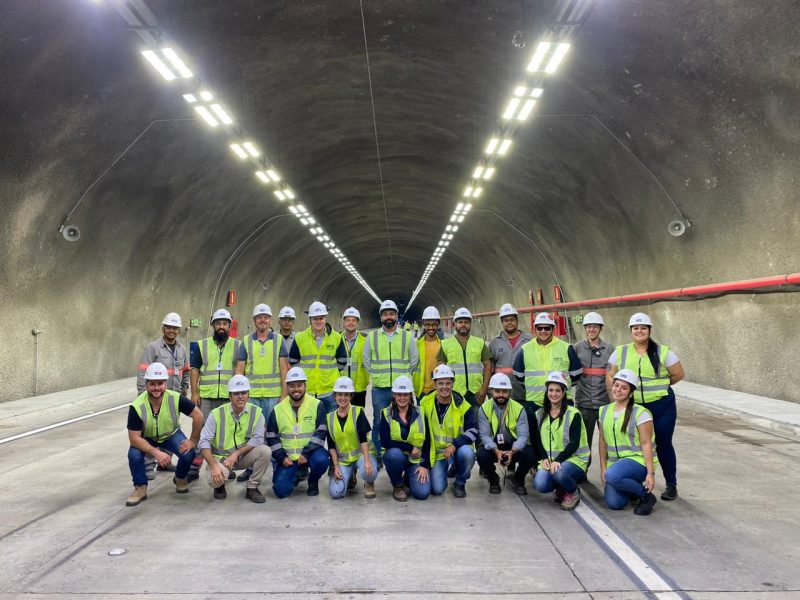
(652, 353)
(628, 410)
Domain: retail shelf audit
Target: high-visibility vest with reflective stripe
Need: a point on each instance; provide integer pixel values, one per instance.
(512, 416)
(653, 385)
(160, 428)
(443, 434)
(416, 432)
(213, 381)
(230, 435)
(355, 358)
(348, 447)
(555, 436)
(296, 429)
(419, 373)
(539, 362)
(624, 444)
(465, 362)
(264, 371)
(320, 363)
(388, 360)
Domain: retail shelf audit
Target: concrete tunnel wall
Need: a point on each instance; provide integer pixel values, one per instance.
(656, 101)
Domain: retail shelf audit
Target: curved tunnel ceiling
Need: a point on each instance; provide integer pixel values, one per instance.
(660, 109)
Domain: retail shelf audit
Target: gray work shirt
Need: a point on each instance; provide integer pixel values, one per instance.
(287, 342)
(590, 390)
(485, 429)
(175, 359)
(210, 428)
(503, 356)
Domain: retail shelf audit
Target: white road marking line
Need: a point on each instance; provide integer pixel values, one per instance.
(61, 424)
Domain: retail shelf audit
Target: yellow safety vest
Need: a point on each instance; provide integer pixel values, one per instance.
(320, 363)
(466, 363)
(263, 367)
(355, 368)
(624, 444)
(388, 360)
(161, 428)
(416, 432)
(512, 416)
(348, 447)
(296, 429)
(555, 436)
(654, 386)
(539, 362)
(217, 367)
(443, 434)
(230, 435)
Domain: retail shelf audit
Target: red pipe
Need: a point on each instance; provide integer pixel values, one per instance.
(698, 292)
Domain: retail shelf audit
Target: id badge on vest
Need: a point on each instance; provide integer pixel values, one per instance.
(500, 439)
(263, 350)
(296, 429)
(220, 367)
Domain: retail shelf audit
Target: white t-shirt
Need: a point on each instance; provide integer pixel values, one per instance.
(672, 358)
(644, 416)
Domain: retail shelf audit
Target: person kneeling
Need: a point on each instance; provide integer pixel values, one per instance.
(562, 441)
(349, 444)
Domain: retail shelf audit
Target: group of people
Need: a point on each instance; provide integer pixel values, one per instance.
(296, 402)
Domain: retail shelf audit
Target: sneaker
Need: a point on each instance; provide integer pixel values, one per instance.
(399, 493)
(255, 495)
(646, 505)
(353, 481)
(670, 493)
(313, 489)
(571, 500)
(139, 494)
(519, 487)
(244, 475)
(369, 490)
(193, 475)
(231, 474)
(220, 493)
(494, 487)
(459, 491)
(558, 497)
(181, 485)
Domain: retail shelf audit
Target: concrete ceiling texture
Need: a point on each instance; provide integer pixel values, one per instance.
(661, 110)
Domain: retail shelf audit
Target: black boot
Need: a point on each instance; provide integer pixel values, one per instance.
(670, 493)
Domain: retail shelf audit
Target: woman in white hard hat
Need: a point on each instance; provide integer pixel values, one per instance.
(406, 447)
(563, 448)
(658, 369)
(349, 444)
(627, 466)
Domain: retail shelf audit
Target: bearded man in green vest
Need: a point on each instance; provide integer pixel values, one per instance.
(470, 359)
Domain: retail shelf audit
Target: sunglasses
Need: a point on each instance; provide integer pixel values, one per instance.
(544, 328)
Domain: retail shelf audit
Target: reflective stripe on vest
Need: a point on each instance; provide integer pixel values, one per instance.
(213, 383)
(490, 409)
(163, 427)
(653, 385)
(452, 425)
(232, 434)
(555, 436)
(389, 359)
(465, 362)
(263, 370)
(348, 447)
(416, 432)
(539, 361)
(355, 359)
(623, 444)
(296, 430)
(319, 363)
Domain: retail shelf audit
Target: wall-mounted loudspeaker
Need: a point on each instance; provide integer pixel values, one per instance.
(71, 233)
(678, 228)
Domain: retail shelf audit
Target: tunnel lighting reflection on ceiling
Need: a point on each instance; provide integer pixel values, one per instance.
(176, 69)
(221, 114)
(498, 146)
(207, 116)
(482, 172)
(190, 98)
(206, 96)
(262, 176)
(547, 57)
(245, 150)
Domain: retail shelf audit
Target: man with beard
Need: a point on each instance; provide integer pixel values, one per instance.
(470, 359)
(171, 353)
(389, 352)
(286, 318)
(506, 346)
(213, 361)
(428, 347)
(296, 434)
(354, 345)
(504, 433)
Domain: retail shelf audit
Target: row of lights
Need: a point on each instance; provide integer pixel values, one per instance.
(545, 61)
(170, 66)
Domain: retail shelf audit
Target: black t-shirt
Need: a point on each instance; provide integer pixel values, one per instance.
(185, 406)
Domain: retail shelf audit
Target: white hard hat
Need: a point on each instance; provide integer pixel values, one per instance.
(628, 376)
(317, 309)
(443, 372)
(287, 312)
(462, 313)
(220, 314)
(403, 385)
(430, 312)
(544, 319)
(640, 319)
(500, 381)
(593, 318)
(387, 305)
(507, 310)
(556, 377)
(156, 372)
(172, 320)
(238, 383)
(351, 312)
(296, 374)
(344, 385)
(262, 309)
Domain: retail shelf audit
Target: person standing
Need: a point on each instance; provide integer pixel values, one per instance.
(354, 346)
(286, 319)
(506, 346)
(428, 347)
(469, 358)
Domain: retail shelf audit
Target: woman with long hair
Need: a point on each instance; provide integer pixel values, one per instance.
(627, 466)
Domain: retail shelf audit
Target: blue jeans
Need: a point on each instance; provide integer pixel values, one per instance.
(284, 479)
(136, 458)
(327, 401)
(381, 398)
(338, 487)
(665, 413)
(265, 404)
(464, 460)
(566, 478)
(397, 465)
(624, 481)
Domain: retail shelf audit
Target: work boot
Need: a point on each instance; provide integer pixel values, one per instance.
(646, 505)
(231, 474)
(399, 493)
(244, 475)
(313, 489)
(194, 470)
(571, 500)
(181, 485)
(459, 491)
(353, 481)
(220, 493)
(559, 495)
(255, 495)
(302, 472)
(519, 486)
(369, 490)
(139, 494)
(494, 486)
(670, 493)
(451, 472)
